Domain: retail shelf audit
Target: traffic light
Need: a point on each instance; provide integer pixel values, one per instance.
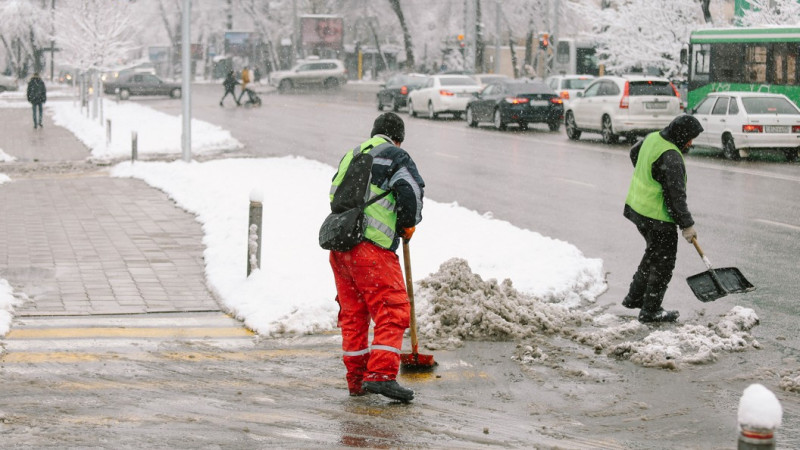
(461, 42)
(544, 42)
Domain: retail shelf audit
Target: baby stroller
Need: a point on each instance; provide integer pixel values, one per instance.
(252, 98)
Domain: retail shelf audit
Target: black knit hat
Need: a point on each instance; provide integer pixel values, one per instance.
(389, 124)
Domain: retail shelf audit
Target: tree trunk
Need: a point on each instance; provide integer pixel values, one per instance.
(513, 56)
(706, 11)
(406, 34)
(480, 45)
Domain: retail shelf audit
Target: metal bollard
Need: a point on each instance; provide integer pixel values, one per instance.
(134, 146)
(760, 413)
(254, 233)
(108, 131)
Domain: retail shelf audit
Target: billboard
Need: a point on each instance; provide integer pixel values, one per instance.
(238, 43)
(321, 32)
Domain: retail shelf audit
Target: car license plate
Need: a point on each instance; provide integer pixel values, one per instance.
(464, 94)
(776, 129)
(539, 102)
(655, 105)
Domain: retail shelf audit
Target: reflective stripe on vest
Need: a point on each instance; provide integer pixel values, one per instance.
(381, 216)
(645, 194)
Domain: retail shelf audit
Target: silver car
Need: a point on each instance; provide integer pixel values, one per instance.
(326, 73)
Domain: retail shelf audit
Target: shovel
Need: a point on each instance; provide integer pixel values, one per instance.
(716, 283)
(413, 361)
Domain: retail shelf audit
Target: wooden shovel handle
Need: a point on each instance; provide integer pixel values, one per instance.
(697, 246)
(410, 289)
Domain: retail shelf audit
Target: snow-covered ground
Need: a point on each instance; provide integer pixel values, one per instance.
(476, 277)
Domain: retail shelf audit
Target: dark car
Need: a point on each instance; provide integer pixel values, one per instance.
(141, 84)
(516, 101)
(395, 92)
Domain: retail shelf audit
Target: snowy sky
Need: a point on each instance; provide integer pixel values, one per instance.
(554, 288)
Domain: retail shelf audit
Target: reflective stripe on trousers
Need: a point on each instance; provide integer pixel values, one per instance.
(370, 285)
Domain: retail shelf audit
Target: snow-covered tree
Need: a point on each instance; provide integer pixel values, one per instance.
(771, 12)
(24, 31)
(95, 34)
(641, 34)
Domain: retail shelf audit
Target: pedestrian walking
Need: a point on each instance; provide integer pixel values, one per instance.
(229, 84)
(37, 96)
(245, 82)
(656, 204)
(369, 281)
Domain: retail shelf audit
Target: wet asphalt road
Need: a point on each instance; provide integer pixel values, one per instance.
(201, 389)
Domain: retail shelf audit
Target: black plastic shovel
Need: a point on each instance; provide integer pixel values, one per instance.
(716, 283)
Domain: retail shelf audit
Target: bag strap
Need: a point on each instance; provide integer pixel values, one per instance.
(376, 198)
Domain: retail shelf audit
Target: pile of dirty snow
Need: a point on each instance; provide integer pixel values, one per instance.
(456, 305)
(791, 381)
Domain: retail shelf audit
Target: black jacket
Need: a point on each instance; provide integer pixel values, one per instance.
(37, 92)
(230, 82)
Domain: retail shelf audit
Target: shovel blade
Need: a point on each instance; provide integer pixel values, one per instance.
(416, 362)
(717, 283)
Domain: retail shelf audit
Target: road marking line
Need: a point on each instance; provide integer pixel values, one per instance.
(778, 224)
(581, 183)
(107, 332)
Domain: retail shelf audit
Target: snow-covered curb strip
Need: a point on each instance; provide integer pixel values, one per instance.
(156, 132)
(7, 304)
(294, 290)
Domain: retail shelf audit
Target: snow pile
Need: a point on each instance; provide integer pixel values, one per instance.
(691, 344)
(759, 409)
(4, 178)
(157, 133)
(7, 304)
(791, 381)
(5, 157)
(457, 305)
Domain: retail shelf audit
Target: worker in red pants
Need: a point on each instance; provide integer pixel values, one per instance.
(369, 282)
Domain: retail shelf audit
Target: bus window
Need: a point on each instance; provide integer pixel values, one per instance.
(784, 58)
(726, 63)
(702, 64)
(755, 63)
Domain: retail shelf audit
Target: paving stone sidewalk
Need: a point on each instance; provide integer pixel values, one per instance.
(78, 242)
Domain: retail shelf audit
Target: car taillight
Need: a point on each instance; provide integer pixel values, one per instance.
(446, 93)
(565, 95)
(404, 90)
(623, 102)
(557, 101)
(752, 128)
(677, 94)
(517, 100)
(795, 128)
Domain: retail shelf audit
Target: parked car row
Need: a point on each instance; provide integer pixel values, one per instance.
(492, 98)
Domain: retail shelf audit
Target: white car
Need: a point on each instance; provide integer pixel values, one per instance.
(737, 122)
(568, 86)
(326, 73)
(628, 105)
(447, 94)
(8, 83)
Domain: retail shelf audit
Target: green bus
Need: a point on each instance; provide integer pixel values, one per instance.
(764, 59)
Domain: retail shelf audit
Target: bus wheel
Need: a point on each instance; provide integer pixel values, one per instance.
(572, 131)
(791, 154)
(729, 149)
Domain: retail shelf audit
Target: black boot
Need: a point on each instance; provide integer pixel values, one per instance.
(632, 303)
(661, 315)
(389, 389)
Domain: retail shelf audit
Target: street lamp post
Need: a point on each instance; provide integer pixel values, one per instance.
(186, 94)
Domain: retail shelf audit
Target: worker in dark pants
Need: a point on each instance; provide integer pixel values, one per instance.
(230, 85)
(656, 204)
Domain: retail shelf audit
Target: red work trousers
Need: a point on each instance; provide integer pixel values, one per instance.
(369, 285)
